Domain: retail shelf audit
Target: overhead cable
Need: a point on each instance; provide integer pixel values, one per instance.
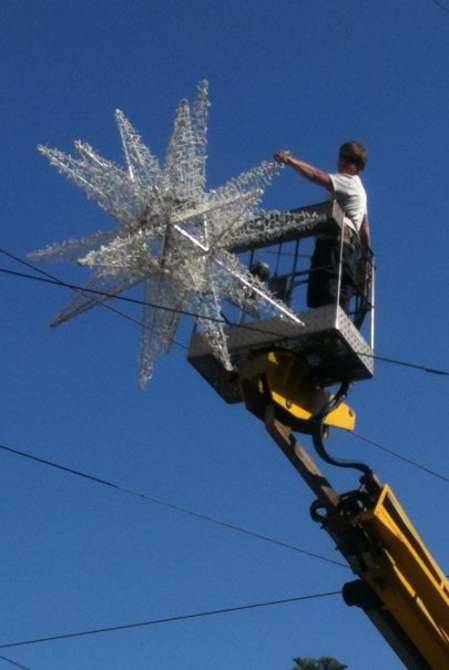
(406, 364)
(440, 5)
(55, 279)
(77, 289)
(171, 619)
(171, 505)
(183, 312)
(11, 662)
(399, 457)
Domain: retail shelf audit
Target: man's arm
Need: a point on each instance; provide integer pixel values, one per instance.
(306, 170)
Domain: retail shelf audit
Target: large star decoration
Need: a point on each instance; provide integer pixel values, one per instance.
(173, 236)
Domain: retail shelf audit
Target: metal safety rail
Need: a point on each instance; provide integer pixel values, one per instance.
(281, 232)
(332, 343)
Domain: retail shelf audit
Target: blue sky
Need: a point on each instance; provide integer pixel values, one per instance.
(294, 74)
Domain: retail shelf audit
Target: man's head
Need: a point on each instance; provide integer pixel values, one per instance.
(352, 158)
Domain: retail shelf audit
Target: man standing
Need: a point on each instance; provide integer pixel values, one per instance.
(347, 188)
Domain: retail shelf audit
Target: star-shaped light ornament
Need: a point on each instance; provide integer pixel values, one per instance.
(173, 235)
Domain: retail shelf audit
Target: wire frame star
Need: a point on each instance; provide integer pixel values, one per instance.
(172, 235)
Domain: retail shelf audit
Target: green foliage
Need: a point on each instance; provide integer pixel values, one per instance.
(323, 663)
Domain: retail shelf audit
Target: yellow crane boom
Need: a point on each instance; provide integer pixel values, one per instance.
(400, 586)
(282, 373)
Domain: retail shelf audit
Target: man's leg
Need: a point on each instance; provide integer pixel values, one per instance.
(323, 276)
(324, 273)
(349, 272)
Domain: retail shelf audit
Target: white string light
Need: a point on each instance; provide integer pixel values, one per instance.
(173, 235)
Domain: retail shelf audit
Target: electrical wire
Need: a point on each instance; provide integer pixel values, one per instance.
(18, 665)
(54, 280)
(171, 619)
(77, 289)
(137, 301)
(48, 278)
(406, 364)
(404, 459)
(170, 505)
(134, 301)
(438, 4)
(22, 261)
(183, 312)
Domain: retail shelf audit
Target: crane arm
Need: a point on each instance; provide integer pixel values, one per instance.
(400, 586)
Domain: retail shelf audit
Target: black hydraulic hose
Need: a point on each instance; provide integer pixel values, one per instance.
(318, 443)
(319, 430)
(332, 403)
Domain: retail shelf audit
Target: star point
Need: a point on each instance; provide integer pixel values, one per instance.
(172, 237)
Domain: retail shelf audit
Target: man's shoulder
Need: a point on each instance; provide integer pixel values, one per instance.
(346, 178)
(347, 183)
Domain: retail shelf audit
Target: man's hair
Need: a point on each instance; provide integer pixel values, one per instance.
(354, 152)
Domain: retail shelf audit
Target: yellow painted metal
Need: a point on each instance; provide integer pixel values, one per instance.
(395, 562)
(407, 578)
(286, 377)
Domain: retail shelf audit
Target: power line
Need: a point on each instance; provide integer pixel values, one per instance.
(406, 364)
(173, 506)
(124, 298)
(59, 281)
(18, 665)
(137, 301)
(212, 519)
(183, 312)
(399, 457)
(438, 4)
(77, 289)
(55, 280)
(172, 619)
